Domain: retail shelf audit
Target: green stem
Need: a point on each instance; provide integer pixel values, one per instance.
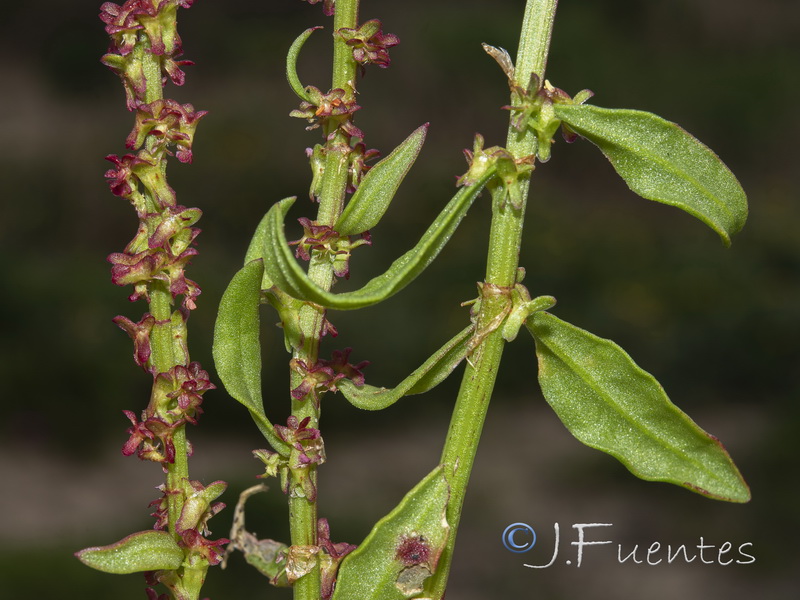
(163, 357)
(302, 512)
(501, 270)
(161, 338)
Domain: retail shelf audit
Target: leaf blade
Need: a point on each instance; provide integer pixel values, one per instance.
(379, 185)
(609, 403)
(237, 348)
(283, 269)
(430, 374)
(662, 162)
(379, 569)
(142, 551)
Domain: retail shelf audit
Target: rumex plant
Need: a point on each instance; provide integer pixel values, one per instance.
(602, 397)
(177, 553)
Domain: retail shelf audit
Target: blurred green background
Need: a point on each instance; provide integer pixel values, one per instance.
(718, 327)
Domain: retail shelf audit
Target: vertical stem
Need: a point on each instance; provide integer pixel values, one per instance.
(161, 337)
(302, 512)
(505, 240)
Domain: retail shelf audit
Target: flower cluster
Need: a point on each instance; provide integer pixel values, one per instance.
(330, 555)
(174, 401)
(370, 45)
(157, 22)
(143, 52)
(324, 239)
(533, 109)
(324, 375)
(334, 110)
(306, 449)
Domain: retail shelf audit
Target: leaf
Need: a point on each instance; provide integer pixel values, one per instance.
(291, 64)
(237, 348)
(379, 185)
(142, 551)
(662, 162)
(432, 372)
(609, 403)
(403, 548)
(287, 274)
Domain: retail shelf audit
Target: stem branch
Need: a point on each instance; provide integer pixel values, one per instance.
(302, 511)
(501, 270)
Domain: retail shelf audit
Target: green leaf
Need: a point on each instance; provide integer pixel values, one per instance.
(432, 372)
(609, 403)
(662, 162)
(142, 551)
(403, 548)
(291, 64)
(287, 274)
(379, 185)
(237, 348)
(255, 249)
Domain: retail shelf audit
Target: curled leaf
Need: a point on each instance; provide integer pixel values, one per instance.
(142, 551)
(609, 403)
(432, 372)
(662, 162)
(379, 185)
(283, 269)
(291, 64)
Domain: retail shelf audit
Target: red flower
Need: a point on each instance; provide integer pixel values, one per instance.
(370, 45)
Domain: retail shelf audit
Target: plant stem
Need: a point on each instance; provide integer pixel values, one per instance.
(302, 511)
(501, 270)
(160, 306)
(163, 357)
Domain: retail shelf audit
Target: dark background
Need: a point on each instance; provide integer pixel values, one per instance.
(717, 326)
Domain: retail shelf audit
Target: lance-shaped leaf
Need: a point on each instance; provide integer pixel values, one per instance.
(609, 403)
(237, 348)
(662, 162)
(142, 551)
(379, 185)
(283, 269)
(403, 548)
(432, 372)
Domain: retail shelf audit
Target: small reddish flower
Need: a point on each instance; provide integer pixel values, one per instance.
(171, 122)
(307, 449)
(325, 373)
(330, 556)
(210, 550)
(152, 437)
(370, 45)
(161, 513)
(140, 334)
(296, 431)
(122, 24)
(315, 237)
(323, 107)
(191, 383)
(136, 268)
(359, 156)
(122, 180)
